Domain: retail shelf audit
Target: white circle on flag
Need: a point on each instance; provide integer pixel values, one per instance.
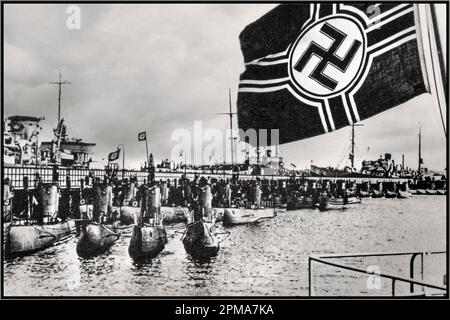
(328, 56)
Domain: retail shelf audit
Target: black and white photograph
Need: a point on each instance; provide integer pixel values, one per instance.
(225, 150)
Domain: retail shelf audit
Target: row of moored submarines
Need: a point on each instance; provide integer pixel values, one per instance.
(43, 221)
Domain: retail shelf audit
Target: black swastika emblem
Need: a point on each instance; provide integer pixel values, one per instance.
(328, 56)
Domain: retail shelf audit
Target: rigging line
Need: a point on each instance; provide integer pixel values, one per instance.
(344, 152)
(349, 148)
(341, 157)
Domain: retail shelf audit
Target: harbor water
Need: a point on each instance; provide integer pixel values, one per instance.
(265, 259)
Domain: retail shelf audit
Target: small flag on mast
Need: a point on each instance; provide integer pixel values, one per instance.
(142, 136)
(113, 156)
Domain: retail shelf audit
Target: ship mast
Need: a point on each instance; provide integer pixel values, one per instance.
(352, 154)
(230, 114)
(59, 83)
(59, 126)
(420, 149)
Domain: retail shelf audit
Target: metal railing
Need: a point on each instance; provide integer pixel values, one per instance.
(323, 259)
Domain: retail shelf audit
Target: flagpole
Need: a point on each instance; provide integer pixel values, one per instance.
(438, 42)
(123, 159)
(431, 64)
(436, 66)
(146, 148)
(231, 128)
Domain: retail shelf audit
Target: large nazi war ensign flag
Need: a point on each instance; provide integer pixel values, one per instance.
(315, 68)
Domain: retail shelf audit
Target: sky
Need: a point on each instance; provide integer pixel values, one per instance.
(159, 68)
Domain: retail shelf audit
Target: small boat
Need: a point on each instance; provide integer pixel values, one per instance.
(391, 194)
(235, 216)
(328, 205)
(95, 239)
(431, 191)
(25, 239)
(403, 194)
(353, 200)
(147, 242)
(340, 201)
(441, 192)
(377, 194)
(421, 191)
(300, 203)
(199, 240)
(364, 194)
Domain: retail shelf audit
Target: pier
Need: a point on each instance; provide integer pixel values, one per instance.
(17, 173)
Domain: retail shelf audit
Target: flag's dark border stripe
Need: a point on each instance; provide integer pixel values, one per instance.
(337, 111)
(391, 28)
(388, 6)
(409, 33)
(409, 6)
(269, 72)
